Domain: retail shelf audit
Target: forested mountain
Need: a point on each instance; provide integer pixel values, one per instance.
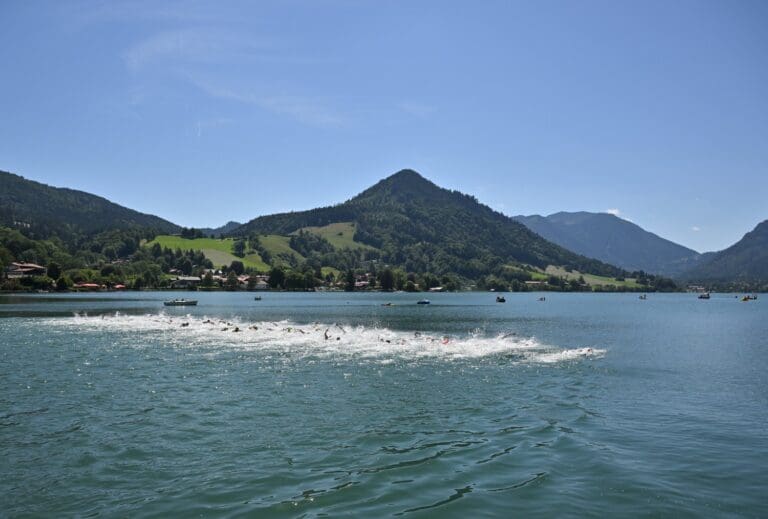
(42, 211)
(613, 240)
(220, 231)
(746, 261)
(411, 223)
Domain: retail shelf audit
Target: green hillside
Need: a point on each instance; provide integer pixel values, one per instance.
(746, 261)
(340, 235)
(219, 251)
(42, 211)
(408, 222)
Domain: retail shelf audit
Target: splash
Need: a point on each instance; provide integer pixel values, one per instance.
(325, 340)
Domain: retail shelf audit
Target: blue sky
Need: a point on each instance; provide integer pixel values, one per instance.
(203, 112)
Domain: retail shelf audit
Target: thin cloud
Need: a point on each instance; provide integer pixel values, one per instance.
(196, 45)
(306, 110)
(202, 125)
(695, 228)
(618, 214)
(416, 109)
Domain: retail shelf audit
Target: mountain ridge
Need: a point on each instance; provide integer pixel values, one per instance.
(613, 240)
(416, 223)
(745, 261)
(44, 210)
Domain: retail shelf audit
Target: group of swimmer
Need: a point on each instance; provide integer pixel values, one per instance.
(336, 331)
(328, 333)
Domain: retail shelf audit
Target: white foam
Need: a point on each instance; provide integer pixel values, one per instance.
(318, 339)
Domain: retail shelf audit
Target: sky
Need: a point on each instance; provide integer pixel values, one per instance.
(205, 112)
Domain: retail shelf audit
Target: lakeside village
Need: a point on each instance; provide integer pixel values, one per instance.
(31, 277)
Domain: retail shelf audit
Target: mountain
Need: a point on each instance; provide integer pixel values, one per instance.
(745, 261)
(41, 211)
(220, 231)
(412, 223)
(613, 240)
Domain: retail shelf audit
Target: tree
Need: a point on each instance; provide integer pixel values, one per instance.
(208, 280)
(238, 248)
(387, 279)
(186, 266)
(237, 267)
(54, 270)
(350, 286)
(276, 277)
(231, 283)
(63, 283)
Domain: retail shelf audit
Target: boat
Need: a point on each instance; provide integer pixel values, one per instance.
(643, 297)
(181, 302)
(500, 299)
(423, 302)
(746, 298)
(387, 304)
(542, 298)
(705, 295)
(257, 298)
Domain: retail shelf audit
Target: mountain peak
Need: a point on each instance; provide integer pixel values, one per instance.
(404, 183)
(408, 179)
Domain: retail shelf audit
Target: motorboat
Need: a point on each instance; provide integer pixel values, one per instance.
(181, 302)
(423, 302)
(500, 299)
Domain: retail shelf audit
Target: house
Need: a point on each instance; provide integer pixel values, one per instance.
(23, 270)
(185, 282)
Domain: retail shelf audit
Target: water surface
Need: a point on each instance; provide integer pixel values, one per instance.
(331, 404)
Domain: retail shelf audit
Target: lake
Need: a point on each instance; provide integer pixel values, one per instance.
(330, 404)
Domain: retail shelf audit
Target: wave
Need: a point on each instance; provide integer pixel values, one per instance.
(322, 339)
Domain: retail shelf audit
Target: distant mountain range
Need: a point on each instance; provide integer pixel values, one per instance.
(405, 221)
(613, 240)
(744, 261)
(415, 224)
(221, 231)
(42, 211)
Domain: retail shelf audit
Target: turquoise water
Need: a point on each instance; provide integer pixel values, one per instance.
(333, 405)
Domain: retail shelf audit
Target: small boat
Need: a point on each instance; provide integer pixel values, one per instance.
(542, 299)
(387, 304)
(643, 297)
(181, 302)
(500, 299)
(423, 302)
(746, 298)
(705, 295)
(257, 298)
